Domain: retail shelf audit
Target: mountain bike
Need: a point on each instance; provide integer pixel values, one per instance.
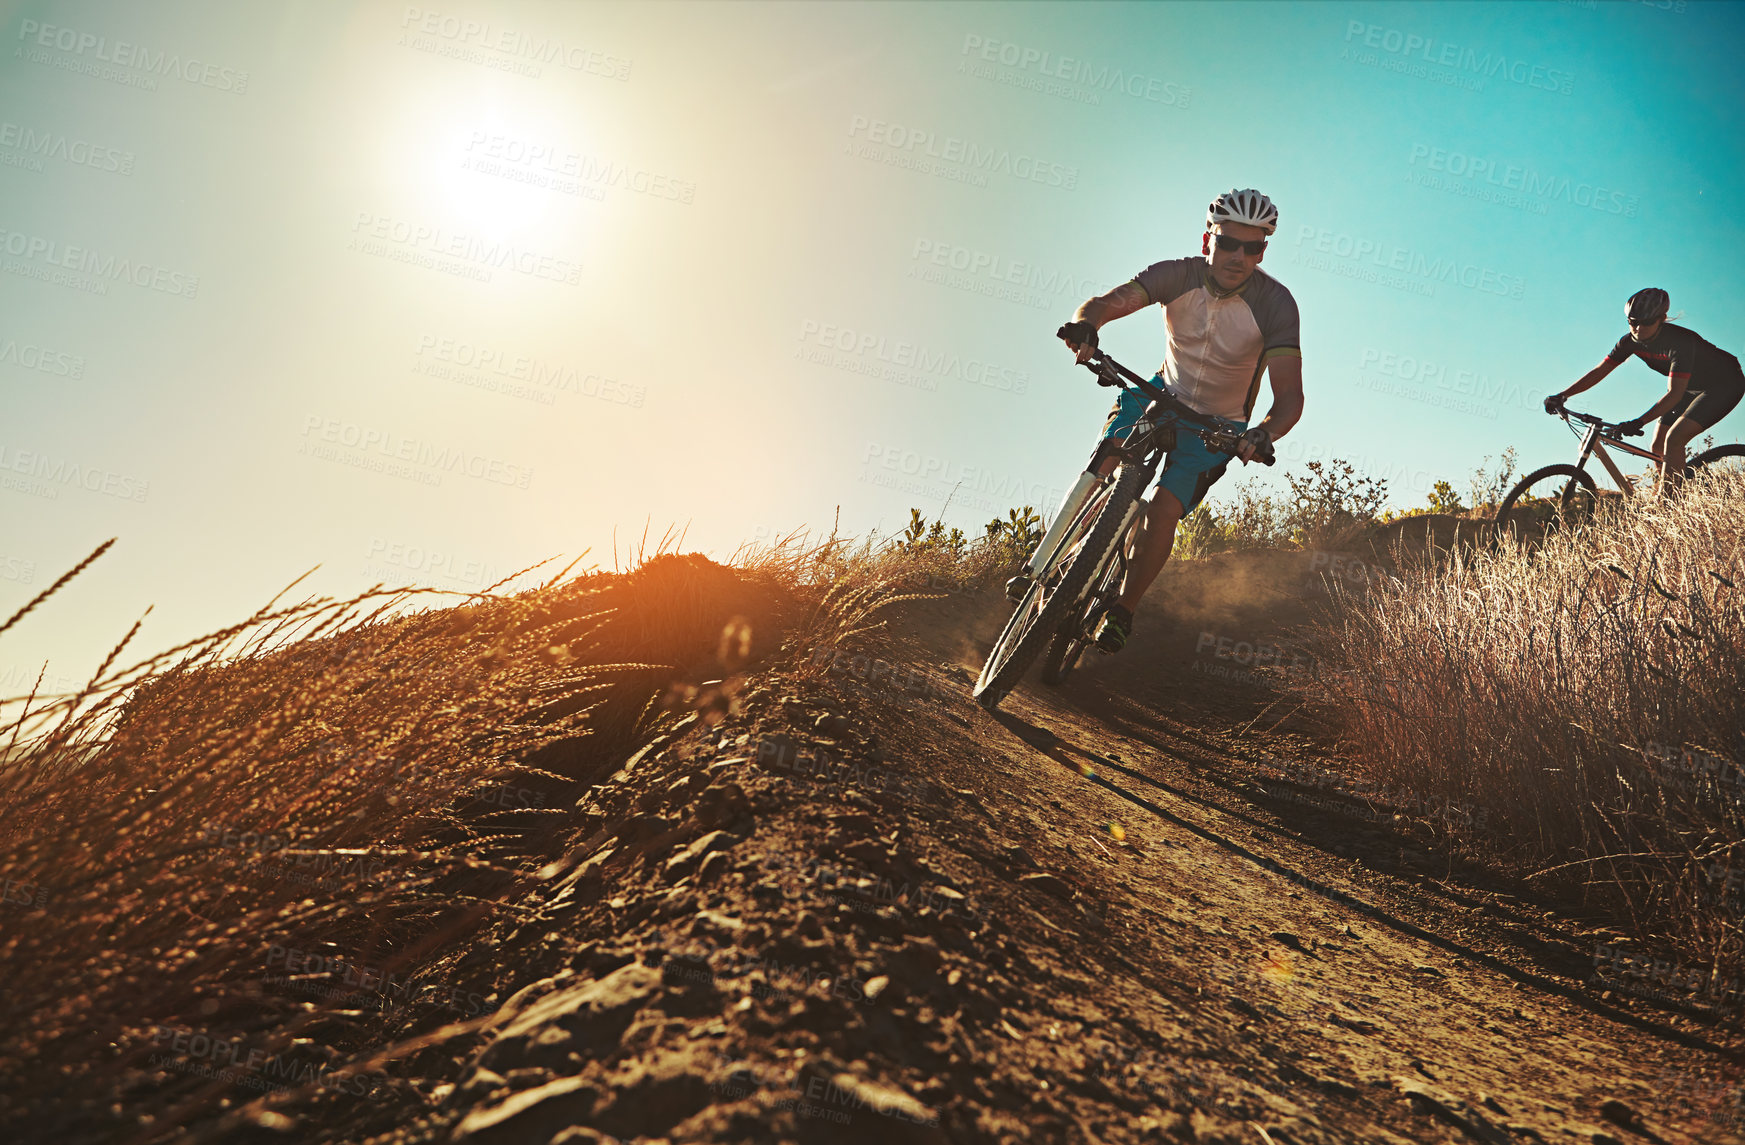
(1564, 496)
(1077, 568)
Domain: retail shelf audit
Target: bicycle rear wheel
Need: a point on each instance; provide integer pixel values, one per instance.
(1723, 459)
(1547, 501)
(1059, 588)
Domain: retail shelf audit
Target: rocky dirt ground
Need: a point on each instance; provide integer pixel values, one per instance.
(861, 909)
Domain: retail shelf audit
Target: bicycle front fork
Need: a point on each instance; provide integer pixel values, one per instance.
(1070, 508)
(1075, 501)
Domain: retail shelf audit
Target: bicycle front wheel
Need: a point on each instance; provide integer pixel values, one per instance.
(1058, 588)
(1546, 501)
(1071, 639)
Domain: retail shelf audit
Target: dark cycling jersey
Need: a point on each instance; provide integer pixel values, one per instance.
(1681, 353)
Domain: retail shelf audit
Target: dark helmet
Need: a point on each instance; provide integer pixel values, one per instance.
(1648, 304)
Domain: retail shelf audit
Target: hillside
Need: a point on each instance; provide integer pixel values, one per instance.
(825, 897)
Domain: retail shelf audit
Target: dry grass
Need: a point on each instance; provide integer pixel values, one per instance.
(330, 778)
(282, 842)
(847, 583)
(1556, 688)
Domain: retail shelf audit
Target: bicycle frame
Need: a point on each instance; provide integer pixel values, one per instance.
(1593, 444)
(1064, 572)
(1144, 449)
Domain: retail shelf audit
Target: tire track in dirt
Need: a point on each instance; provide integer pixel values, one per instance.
(1358, 975)
(857, 908)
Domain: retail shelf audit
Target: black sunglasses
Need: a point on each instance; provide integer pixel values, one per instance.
(1250, 246)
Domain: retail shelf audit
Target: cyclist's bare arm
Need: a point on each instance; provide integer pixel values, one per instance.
(1592, 378)
(1675, 387)
(1128, 298)
(1286, 373)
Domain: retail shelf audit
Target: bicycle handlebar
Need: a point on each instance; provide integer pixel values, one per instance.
(1589, 419)
(1217, 434)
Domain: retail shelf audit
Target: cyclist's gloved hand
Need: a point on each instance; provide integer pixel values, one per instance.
(1257, 443)
(1080, 337)
(1631, 428)
(1554, 404)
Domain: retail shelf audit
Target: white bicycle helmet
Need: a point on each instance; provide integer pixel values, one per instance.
(1246, 206)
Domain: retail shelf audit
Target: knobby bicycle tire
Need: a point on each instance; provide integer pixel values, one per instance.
(1586, 483)
(1020, 642)
(1070, 642)
(1709, 457)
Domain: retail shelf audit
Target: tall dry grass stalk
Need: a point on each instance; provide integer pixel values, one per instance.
(1564, 690)
(281, 838)
(323, 778)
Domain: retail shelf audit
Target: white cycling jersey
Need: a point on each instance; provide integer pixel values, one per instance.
(1219, 343)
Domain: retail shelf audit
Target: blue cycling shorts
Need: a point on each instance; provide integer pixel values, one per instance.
(1190, 469)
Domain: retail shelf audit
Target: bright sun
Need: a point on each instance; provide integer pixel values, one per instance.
(488, 165)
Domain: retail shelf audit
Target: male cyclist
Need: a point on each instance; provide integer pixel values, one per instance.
(1228, 323)
(1704, 382)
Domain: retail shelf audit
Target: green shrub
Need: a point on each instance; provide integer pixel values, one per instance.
(1331, 502)
(1443, 499)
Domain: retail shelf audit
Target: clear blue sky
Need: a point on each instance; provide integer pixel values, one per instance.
(734, 266)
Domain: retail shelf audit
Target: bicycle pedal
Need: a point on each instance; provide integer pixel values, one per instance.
(1018, 587)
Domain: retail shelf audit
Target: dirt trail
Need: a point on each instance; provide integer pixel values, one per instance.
(1364, 965)
(861, 909)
